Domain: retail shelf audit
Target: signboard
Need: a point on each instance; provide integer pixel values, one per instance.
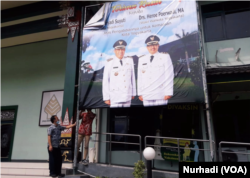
(189, 150)
(147, 54)
(51, 105)
(66, 134)
(7, 115)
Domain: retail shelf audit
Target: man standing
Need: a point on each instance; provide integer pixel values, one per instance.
(155, 75)
(118, 85)
(54, 135)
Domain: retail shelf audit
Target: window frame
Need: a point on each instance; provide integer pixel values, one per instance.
(222, 14)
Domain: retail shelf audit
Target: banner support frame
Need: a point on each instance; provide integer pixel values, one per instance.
(75, 167)
(207, 111)
(204, 79)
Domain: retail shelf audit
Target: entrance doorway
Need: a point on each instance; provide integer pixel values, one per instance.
(8, 121)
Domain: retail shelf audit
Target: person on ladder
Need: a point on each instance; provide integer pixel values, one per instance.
(85, 131)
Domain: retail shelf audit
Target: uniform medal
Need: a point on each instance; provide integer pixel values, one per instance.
(143, 71)
(116, 73)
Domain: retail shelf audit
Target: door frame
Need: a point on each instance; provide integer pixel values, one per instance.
(15, 108)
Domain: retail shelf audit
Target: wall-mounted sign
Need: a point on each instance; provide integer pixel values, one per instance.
(66, 134)
(7, 115)
(146, 54)
(188, 107)
(189, 150)
(51, 105)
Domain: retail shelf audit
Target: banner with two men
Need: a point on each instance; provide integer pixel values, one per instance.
(146, 54)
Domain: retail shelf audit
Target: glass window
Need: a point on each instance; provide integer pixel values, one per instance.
(238, 24)
(226, 20)
(214, 30)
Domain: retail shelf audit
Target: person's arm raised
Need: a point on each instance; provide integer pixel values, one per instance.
(70, 126)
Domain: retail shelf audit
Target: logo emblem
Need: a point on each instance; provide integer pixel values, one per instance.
(120, 42)
(152, 38)
(53, 107)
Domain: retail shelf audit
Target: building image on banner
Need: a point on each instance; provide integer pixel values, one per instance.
(144, 55)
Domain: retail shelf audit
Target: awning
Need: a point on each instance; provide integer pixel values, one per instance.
(228, 74)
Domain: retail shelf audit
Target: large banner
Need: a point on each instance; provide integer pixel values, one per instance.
(147, 54)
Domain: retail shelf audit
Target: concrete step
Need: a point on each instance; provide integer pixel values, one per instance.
(25, 171)
(35, 176)
(26, 176)
(28, 169)
(44, 165)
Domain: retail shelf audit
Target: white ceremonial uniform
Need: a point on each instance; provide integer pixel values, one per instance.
(118, 83)
(155, 79)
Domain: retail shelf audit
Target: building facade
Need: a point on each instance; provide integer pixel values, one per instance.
(38, 56)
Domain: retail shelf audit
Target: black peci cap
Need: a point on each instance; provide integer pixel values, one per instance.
(120, 44)
(151, 40)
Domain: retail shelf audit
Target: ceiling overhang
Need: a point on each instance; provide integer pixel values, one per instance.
(228, 70)
(11, 4)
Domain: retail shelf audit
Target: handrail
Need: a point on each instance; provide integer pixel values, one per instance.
(231, 143)
(110, 142)
(103, 133)
(174, 138)
(177, 147)
(178, 143)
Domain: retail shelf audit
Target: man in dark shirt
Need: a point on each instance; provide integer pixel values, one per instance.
(54, 135)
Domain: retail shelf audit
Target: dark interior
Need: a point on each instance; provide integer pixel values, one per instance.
(177, 121)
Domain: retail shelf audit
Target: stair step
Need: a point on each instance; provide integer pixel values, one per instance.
(22, 176)
(31, 165)
(34, 170)
(20, 171)
(35, 176)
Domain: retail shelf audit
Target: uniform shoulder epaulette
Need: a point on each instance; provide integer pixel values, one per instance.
(110, 59)
(164, 52)
(141, 56)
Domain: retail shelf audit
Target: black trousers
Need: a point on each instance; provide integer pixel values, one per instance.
(55, 161)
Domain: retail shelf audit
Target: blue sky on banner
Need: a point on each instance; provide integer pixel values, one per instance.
(101, 44)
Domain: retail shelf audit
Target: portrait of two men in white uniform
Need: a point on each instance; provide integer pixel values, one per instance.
(154, 80)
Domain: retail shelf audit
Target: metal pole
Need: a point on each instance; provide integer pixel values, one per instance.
(77, 116)
(203, 66)
(209, 132)
(98, 137)
(220, 153)
(140, 148)
(109, 149)
(178, 142)
(209, 125)
(149, 168)
(76, 142)
(204, 79)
